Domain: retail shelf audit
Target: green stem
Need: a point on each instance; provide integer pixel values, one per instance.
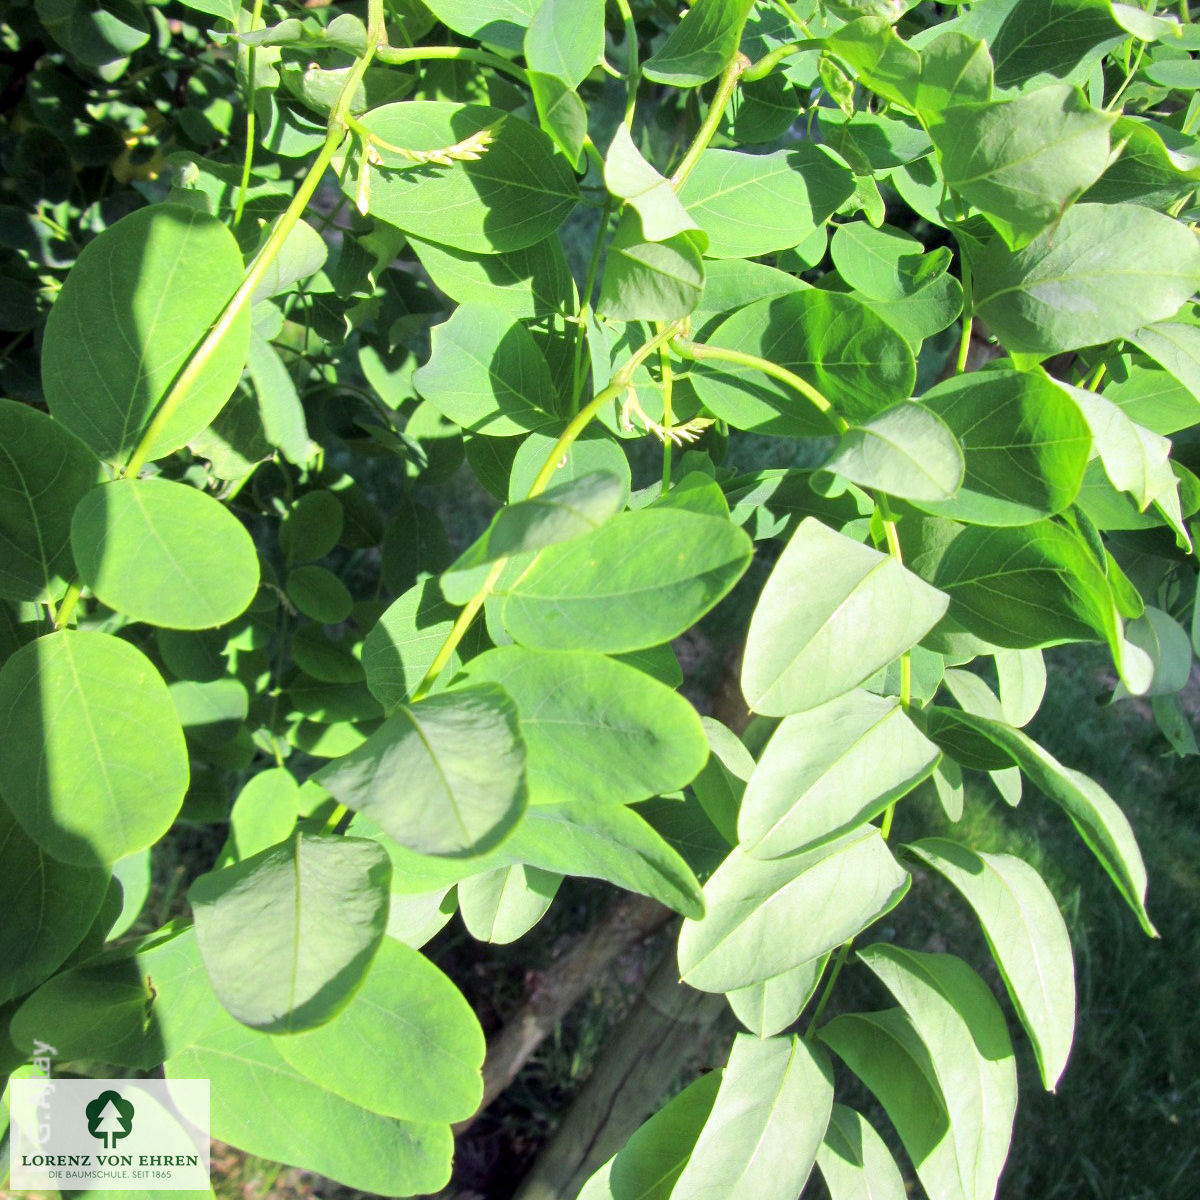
(633, 70)
(399, 55)
(964, 344)
(240, 300)
(668, 418)
(769, 61)
(838, 963)
(1112, 105)
(566, 440)
(892, 536)
(585, 300)
(248, 158)
(740, 358)
(716, 110)
(67, 607)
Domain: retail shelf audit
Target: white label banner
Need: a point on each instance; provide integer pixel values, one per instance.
(109, 1134)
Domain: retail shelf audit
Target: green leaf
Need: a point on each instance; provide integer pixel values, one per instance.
(566, 39)
(650, 1162)
(501, 906)
(516, 193)
(164, 553)
(92, 758)
(96, 34)
(498, 22)
(1023, 161)
(288, 934)
(303, 254)
(648, 280)
(883, 61)
(834, 342)
(595, 840)
(1051, 37)
(638, 581)
(1032, 585)
(135, 305)
(1028, 939)
(720, 786)
(824, 590)
(48, 907)
(312, 527)
(559, 514)
(522, 283)
(766, 917)
(1175, 346)
(886, 1053)
(487, 374)
(269, 1108)
(595, 729)
(1103, 272)
(701, 45)
(1135, 460)
(761, 1139)
(44, 472)
(426, 1043)
(955, 69)
(1022, 678)
(561, 113)
(908, 287)
(445, 776)
(829, 770)
(606, 841)
(766, 1008)
(906, 451)
(1157, 164)
(319, 594)
(405, 640)
(1167, 646)
(631, 178)
(595, 451)
(263, 813)
(1025, 446)
(1094, 813)
(961, 1025)
(100, 1008)
(754, 204)
(855, 1162)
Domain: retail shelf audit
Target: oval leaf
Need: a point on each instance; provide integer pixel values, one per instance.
(824, 590)
(761, 1139)
(288, 934)
(638, 581)
(426, 1043)
(830, 769)
(445, 776)
(764, 918)
(1028, 939)
(92, 757)
(135, 305)
(595, 729)
(513, 193)
(164, 553)
(44, 472)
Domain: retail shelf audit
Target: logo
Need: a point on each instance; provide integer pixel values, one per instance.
(127, 1135)
(109, 1118)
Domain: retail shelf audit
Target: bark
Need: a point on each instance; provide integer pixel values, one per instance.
(662, 1039)
(559, 987)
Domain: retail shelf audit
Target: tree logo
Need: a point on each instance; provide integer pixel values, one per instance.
(109, 1117)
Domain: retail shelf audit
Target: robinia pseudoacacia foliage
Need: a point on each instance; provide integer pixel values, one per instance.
(278, 277)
